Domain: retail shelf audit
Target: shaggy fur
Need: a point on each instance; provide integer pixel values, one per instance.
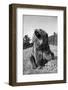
(41, 50)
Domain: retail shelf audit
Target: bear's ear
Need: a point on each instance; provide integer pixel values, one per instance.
(45, 36)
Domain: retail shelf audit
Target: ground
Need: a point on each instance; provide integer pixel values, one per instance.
(50, 66)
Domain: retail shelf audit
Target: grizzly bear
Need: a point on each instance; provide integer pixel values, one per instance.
(41, 52)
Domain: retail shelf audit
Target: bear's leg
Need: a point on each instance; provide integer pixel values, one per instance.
(52, 54)
(32, 59)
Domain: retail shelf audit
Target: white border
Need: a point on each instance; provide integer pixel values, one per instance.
(41, 77)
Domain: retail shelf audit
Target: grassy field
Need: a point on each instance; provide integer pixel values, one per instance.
(50, 67)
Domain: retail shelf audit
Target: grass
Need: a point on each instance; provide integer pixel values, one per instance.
(50, 67)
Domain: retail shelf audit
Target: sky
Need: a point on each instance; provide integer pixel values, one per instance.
(32, 22)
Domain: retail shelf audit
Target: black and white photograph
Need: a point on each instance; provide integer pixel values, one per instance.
(40, 43)
(37, 44)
